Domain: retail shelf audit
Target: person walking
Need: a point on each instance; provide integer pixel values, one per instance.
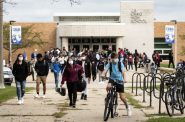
(136, 59)
(87, 71)
(117, 74)
(42, 69)
(20, 71)
(71, 76)
(130, 61)
(56, 68)
(170, 57)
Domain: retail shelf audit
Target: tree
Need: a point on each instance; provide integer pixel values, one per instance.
(1, 34)
(29, 38)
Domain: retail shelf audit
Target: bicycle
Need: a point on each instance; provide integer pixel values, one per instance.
(174, 96)
(111, 102)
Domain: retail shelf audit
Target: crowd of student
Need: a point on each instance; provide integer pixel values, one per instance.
(74, 66)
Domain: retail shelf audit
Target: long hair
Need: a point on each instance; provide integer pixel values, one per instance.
(17, 60)
(68, 65)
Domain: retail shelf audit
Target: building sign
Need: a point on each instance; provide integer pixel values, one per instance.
(16, 35)
(136, 17)
(169, 34)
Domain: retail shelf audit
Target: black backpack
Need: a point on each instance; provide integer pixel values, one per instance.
(119, 67)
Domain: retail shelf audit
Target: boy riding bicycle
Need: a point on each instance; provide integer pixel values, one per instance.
(117, 74)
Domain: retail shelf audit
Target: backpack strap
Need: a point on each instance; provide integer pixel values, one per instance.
(110, 69)
(119, 67)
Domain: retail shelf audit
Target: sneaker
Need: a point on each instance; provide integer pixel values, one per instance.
(36, 96)
(19, 102)
(85, 97)
(129, 112)
(22, 100)
(74, 106)
(43, 96)
(82, 96)
(70, 104)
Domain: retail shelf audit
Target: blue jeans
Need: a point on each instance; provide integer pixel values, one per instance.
(20, 86)
(56, 75)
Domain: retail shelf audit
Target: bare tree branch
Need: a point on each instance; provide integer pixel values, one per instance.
(72, 2)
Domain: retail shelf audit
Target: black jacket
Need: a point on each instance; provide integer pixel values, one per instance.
(20, 71)
(87, 68)
(42, 68)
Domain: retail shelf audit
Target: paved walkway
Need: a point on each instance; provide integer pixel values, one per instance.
(42, 110)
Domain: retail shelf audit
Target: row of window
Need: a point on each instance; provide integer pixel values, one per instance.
(92, 40)
(84, 19)
(162, 48)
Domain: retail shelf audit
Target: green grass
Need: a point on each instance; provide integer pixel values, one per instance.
(9, 93)
(164, 65)
(166, 119)
(133, 101)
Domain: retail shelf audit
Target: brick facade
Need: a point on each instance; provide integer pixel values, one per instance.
(49, 35)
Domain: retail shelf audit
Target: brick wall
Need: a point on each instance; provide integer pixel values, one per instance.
(159, 31)
(48, 35)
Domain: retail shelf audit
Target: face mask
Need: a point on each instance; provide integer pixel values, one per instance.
(116, 60)
(83, 58)
(71, 62)
(20, 58)
(62, 62)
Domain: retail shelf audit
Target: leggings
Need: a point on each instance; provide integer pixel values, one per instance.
(72, 92)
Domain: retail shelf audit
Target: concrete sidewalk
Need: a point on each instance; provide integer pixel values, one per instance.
(42, 110)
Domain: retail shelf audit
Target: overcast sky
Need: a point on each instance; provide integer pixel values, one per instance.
(43, 10)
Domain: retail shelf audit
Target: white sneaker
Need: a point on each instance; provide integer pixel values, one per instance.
(22, 100)
(36, 96)
(43, 96)
(129, 112)
(19, 102)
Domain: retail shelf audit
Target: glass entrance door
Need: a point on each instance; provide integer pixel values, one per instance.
(77, 47)
(105, 47)
(95, 47)
(86, 47)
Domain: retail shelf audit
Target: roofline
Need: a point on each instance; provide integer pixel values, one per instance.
(86, 14)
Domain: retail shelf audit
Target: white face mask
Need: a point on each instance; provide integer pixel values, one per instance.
(116, 60)
(71, 62)
(83, 58)
(62, 62)
(20, 58)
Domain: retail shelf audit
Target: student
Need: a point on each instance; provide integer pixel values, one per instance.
(117, 74)
(87, 69)
(20, 71)
(170, 57)
(130, 61)
(71, 76)
(56, 68)
(42, 69)
(136, 59)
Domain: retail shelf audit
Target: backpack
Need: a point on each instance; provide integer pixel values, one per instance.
(119, 67)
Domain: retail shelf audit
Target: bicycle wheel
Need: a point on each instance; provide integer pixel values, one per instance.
(115, 104)
(108, 108)
(180, 101)
(169, 103)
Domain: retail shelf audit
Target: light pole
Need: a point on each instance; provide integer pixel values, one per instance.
(176, 41)
(1, 46)
(10, 46)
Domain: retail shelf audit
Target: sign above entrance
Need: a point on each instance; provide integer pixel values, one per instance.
(136, 17)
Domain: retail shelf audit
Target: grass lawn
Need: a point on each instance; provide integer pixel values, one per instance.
(166, 119)
(9, 93)
(164, 65)
(133, 101)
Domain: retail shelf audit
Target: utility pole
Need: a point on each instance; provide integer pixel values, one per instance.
(1, 46)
